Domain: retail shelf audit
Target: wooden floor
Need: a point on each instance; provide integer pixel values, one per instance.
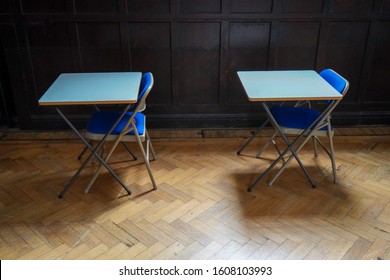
(201, 209)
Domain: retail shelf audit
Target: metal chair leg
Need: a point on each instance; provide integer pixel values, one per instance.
(128, 149)
(146, 160)
(151, 145)
(330, 136)
(315, 146)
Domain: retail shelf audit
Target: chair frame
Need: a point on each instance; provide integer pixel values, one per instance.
(124, 137)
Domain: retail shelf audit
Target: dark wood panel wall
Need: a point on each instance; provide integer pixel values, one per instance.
(194, 49)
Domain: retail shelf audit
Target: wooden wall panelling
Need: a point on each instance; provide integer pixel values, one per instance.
(297, 44)
(250, 6)
(198, 62)
(148, 7)
(342, 47)
(302, 6)
(43, 6)
(200, 6)
(150, 49)
(385, 7)
(379, 81)
(8, 53)
(100, 46)
(351, 7)
(248, 50)
(96, 7)
(5, 7)
(194, 49)
(50, 53)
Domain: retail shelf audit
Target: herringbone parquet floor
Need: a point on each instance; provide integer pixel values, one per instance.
(201, 209)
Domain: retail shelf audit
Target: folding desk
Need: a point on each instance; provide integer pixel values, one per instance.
(93, 89)
(296, 85)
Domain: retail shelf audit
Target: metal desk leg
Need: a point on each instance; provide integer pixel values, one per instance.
(286, 163)
(290, 147)
(312, 127)
(116, 142)
(249, 140)
(93, 153)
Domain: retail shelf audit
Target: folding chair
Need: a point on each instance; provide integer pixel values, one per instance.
(294, 120)
(143, 107)
(131, 128)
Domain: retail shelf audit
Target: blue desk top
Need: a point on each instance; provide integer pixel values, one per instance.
(286, 85)
(93, 88)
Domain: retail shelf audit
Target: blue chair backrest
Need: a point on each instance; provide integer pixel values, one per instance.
(147, 82)
(334, 79)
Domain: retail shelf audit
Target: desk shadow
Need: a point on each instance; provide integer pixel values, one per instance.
(291, 195)
(35, 200)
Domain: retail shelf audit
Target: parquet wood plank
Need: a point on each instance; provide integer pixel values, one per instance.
(180, 211)
(93, 253)
(170, 252)
(301, 251)
(358, 249)
(327, 226)
(112, 252)
(188, 251)
(119, 233)
(207, 251)
(197, 192)
(76, 251)
(377, 249)
(232, 230)
(35, 253)
(156, 232)
(339, 249)
(145, 253)
(321, 249)
(258, 232)
(164, 211)
(56, 253)
(198, 210)
(227, 251)
(28, 235)
(132, 252)
(265, 250)
(385, 215)
(193, 232)
(283, 250)
(246, 251)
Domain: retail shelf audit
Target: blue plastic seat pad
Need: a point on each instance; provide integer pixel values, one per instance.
(294, 117)
(101, 122)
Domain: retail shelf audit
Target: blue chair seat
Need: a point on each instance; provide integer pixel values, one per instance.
(294, 117)
(101, 122)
